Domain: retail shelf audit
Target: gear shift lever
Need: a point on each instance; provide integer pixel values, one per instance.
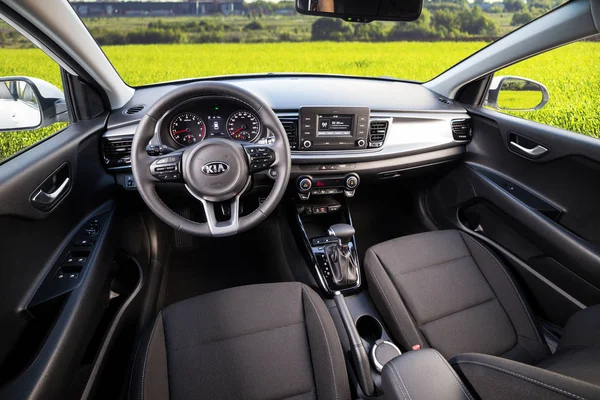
(344, 266)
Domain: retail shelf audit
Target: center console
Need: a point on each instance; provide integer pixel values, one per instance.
(326, 235)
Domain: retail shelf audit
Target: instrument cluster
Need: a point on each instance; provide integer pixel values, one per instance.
(210, 117)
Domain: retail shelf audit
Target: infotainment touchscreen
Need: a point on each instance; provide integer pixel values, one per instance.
(334, 125)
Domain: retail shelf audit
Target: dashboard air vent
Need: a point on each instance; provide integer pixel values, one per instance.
(461, 129)
(134, 109)
(117, 151)
(377, 133)
(443, 100)
(291, 128)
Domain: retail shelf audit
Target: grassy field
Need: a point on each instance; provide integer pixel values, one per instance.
(571, 73)
(519, 99)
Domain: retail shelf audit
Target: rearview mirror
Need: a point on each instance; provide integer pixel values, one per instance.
(513, 93)
(362, 10)
(30, 103)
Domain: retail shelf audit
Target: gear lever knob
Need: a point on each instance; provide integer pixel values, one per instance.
(344, 232)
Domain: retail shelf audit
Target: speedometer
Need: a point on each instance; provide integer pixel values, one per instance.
(187, 129)
(243, 125)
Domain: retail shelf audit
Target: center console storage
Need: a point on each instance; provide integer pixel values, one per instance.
(423, 375)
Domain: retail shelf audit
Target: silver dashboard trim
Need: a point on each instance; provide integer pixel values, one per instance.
(127, 130)
(408, 133)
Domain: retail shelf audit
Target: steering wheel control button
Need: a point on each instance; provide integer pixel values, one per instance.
(166, 168)
(261, 158)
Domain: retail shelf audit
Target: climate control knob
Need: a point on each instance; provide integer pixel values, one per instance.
(361, 142)
(307, 144)
(352, 182)
(304, 184)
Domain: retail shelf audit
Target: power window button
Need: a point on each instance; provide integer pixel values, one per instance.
(84, 242)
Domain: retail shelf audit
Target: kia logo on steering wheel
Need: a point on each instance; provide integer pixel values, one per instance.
(215, 168)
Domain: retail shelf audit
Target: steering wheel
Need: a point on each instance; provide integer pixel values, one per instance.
(214, 170)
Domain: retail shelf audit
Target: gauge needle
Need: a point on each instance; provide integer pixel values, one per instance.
(181, 131)
(237, 130)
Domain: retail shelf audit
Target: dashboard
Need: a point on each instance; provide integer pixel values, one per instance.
(336, 125)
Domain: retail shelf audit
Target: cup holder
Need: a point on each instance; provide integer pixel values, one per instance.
(369, 328)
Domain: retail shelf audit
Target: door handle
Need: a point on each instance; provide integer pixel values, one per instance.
(536, 151)
(46, 199)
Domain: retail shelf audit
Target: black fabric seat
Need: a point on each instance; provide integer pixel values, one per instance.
(274, 341)
(447, 291)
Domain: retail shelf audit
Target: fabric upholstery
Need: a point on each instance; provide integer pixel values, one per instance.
(274, 341)
(494, 378)
(578, 353)
(447, 291)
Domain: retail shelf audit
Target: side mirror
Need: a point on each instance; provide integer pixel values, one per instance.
(30, 103)
(513, 93)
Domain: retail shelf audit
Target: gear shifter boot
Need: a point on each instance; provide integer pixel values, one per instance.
(344, 268)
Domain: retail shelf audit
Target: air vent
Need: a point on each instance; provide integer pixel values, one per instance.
(461, 129)
(117, 151)
(377, 133)
(134, 109)
(291, 129)
(443, 100)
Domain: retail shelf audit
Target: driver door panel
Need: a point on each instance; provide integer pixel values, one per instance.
(45, 332)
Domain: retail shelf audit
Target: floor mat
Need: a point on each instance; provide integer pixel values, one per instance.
(216, 264)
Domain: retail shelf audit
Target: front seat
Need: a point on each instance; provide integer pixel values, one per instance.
(274, 341)
(447, 291)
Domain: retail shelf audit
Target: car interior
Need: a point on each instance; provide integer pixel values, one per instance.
(298, 236)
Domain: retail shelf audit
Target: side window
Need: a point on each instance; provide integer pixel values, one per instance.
(32, 103)
(560, 88)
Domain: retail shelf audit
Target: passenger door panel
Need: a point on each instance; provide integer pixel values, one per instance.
(541, 209)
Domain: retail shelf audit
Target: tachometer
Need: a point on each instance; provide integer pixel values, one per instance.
(243, 125)
(187, 129)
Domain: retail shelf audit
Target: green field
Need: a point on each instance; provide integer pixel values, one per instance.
(571, 73)
(519, 99)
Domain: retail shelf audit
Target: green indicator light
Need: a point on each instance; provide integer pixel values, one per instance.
(216, 108)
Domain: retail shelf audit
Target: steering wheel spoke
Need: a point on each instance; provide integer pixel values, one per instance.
(260, 156)
(222, 228)
(167, 168)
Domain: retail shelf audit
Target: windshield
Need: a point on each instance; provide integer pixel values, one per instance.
(150, 42)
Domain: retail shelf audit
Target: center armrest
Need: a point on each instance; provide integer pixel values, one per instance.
(422, 374)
